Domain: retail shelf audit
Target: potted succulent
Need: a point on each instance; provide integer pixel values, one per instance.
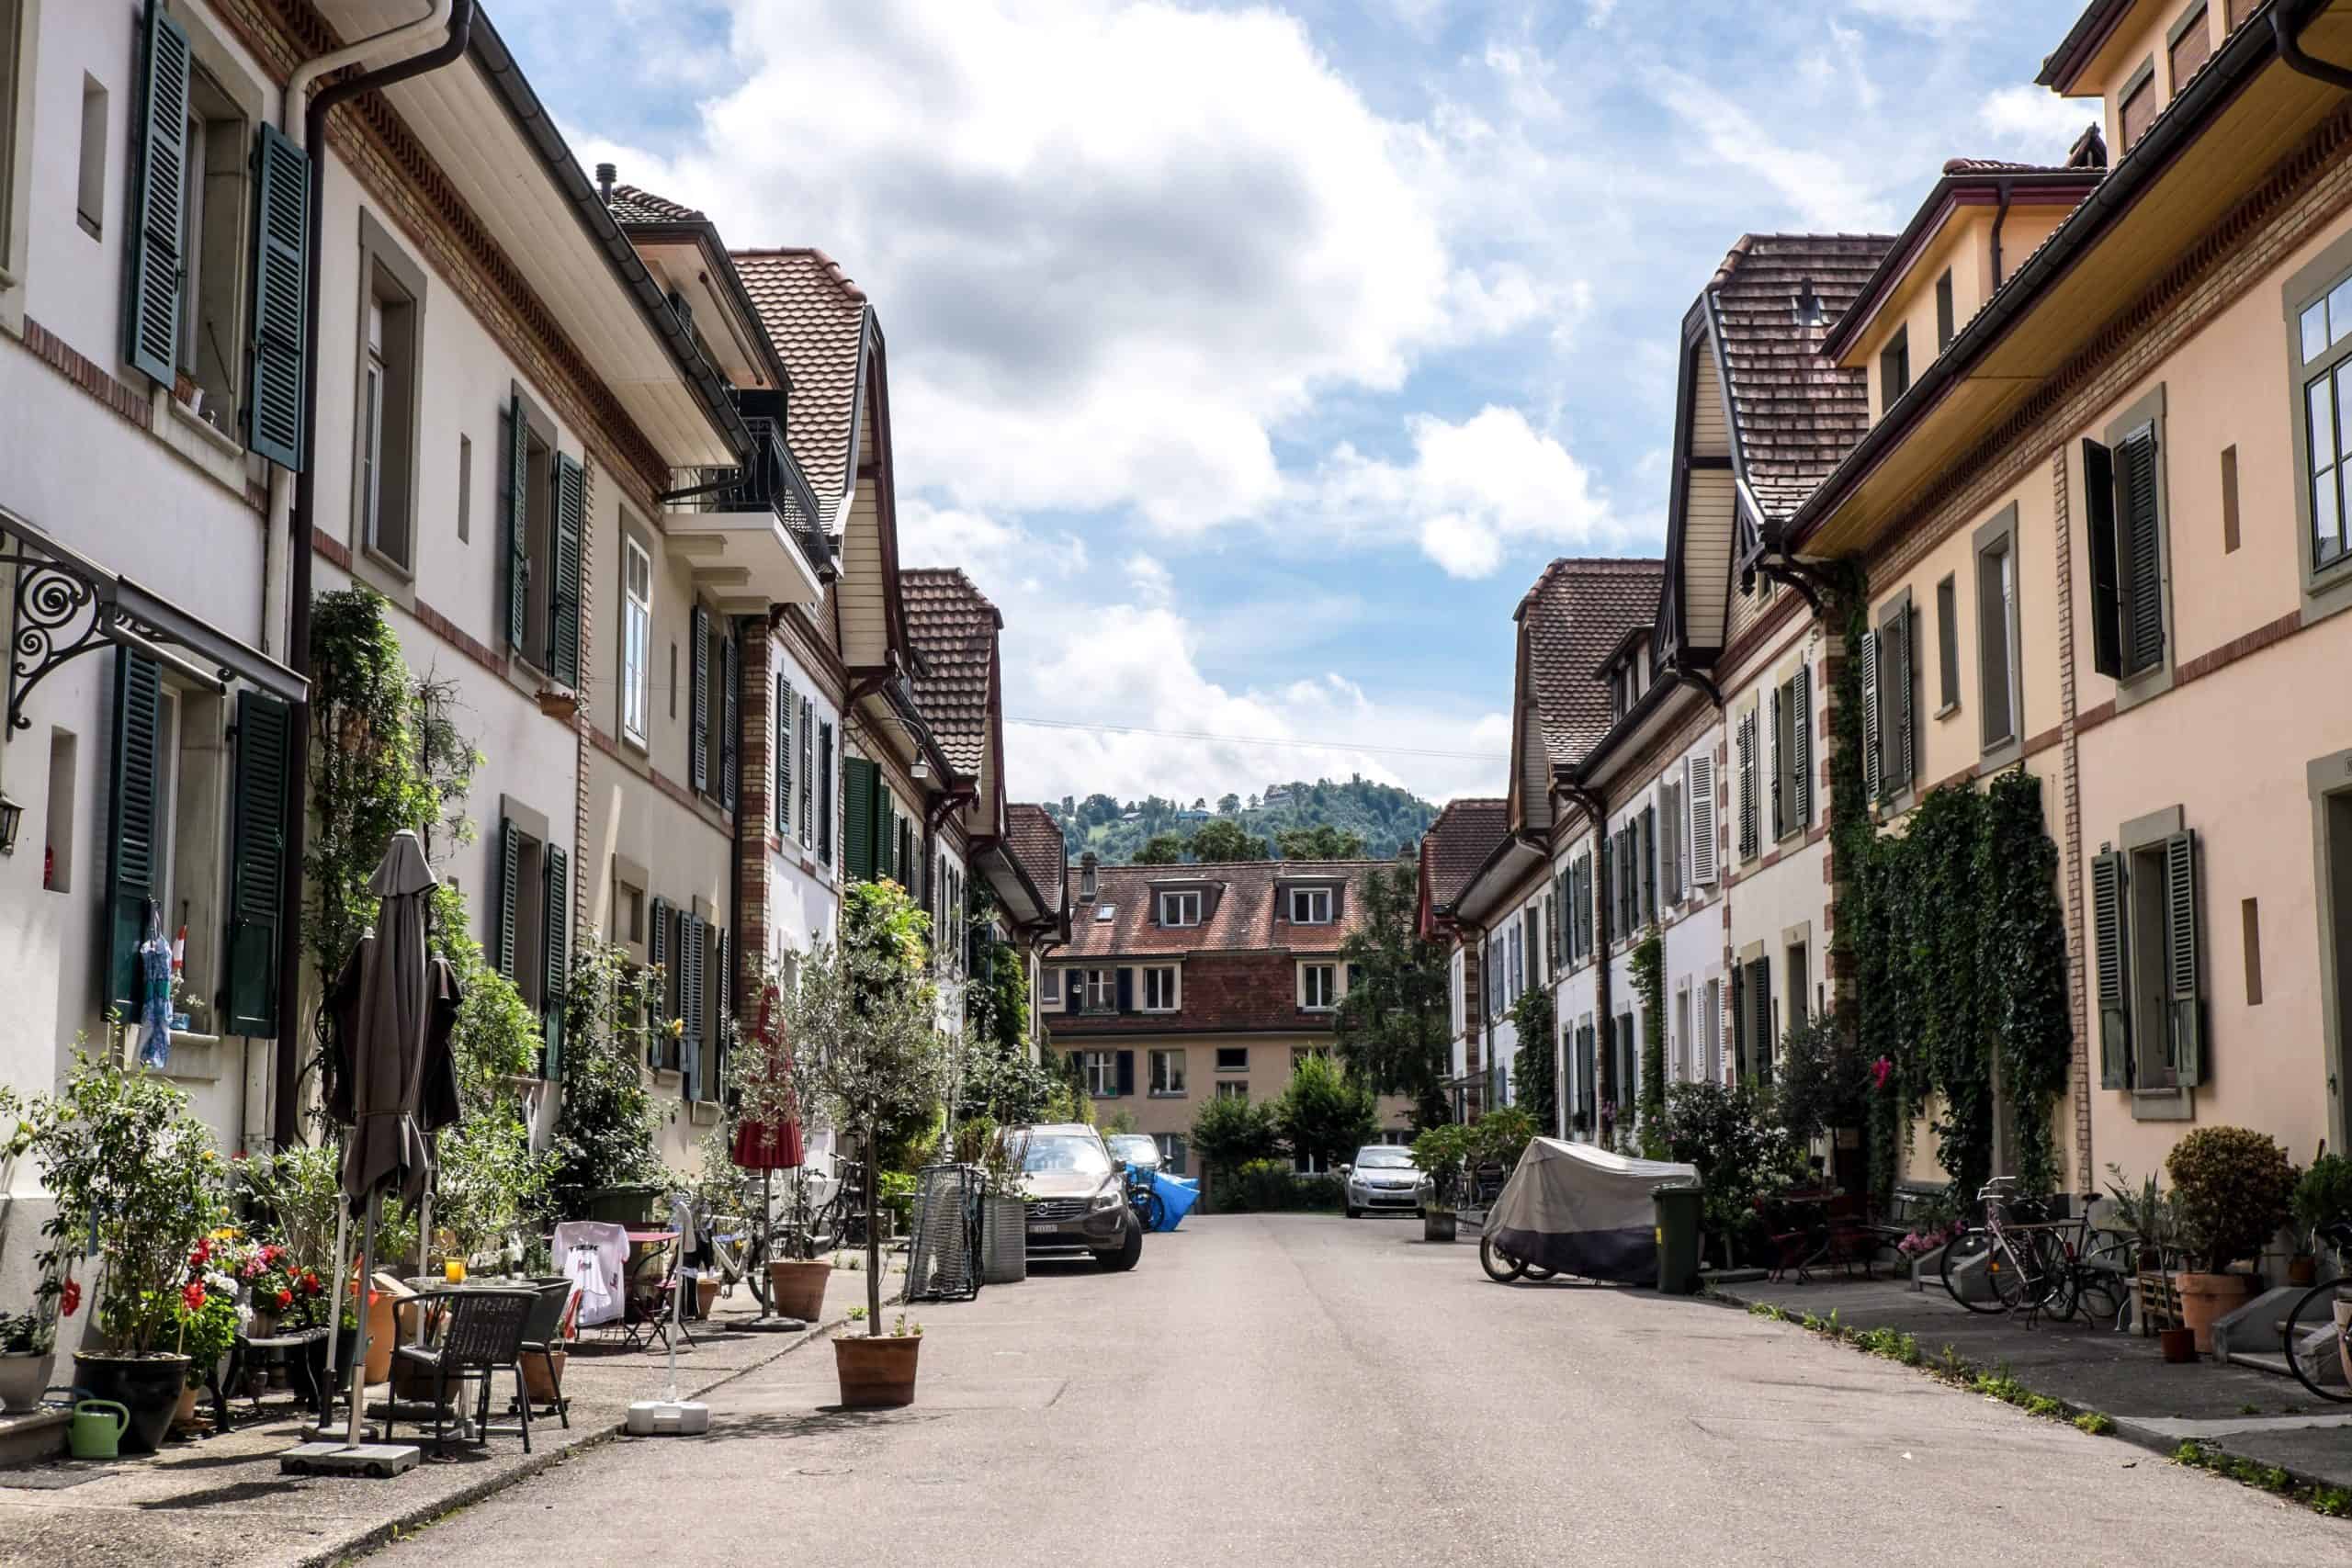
(137, 1186)
(2231, 1191)
(28, 1350)
(865, 1022)
(1444, 1153)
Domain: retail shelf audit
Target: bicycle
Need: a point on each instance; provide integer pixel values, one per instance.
(2322, 1322)
(1144, 1200)
(2053, 1267)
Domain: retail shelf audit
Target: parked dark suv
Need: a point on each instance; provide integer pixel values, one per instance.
(1078, 1197)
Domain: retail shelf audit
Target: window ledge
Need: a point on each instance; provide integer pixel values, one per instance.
(195, 1058)
(1168, 1094)
(703, 1112)
(1946, 710)
(668, 1078)
(219, 455)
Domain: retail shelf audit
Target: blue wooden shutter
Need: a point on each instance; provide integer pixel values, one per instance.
(281, 275)
(698, 699)
(135, 846)
(510, 863)
(556, 947)
(563, 617)
(783, 702)
(257, 861)
(158, 243)
(518, 512)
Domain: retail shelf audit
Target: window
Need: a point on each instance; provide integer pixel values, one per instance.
(1997, 647)
(1672, 861)
(1943, 311)
(1318, 986)
(2124, 485)
(1105, 913)
(1946, 646)
(1049, 986)
(1102, 990)
(57, 834)
(1681, 1054)
(2139, 106)
(1159, 989)
(1711, 1030)
(1310, 906)
(1792, 753)
(1099, 1070)
(1233, 1058)
(544, 500)
(1168, 1073)
(1751, 1019)
(2146, 970)
(2323, 332)
(2190, 41)
(384, 471)
(90, 187)
(1795, 958)
(14, 100)
(1746, 736)
(1179, 909)
(1894, 370)
(465, 489)
(1172, 1151)
(637, 638)
(1231, 1090)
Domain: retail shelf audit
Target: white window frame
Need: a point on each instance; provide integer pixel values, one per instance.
(637, 638)
(1310, 899)
(1049, 984)
(1329, 987)
(1163, 987)
(372, 381)
(1167, 1085)
(1232, 1088)
(1180, 902)
(1102, 990)
(1101, 1071)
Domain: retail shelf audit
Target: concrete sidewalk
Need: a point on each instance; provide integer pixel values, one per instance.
(222, 1499)
(2248, 1415)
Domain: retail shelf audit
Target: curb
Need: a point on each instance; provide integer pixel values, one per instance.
(379, 1536)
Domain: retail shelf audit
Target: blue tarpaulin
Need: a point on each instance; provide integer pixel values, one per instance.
(1177, 1197)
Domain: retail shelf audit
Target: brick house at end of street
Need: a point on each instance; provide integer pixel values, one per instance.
(1182, 983)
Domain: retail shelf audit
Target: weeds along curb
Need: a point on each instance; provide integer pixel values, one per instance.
(1994, 1382)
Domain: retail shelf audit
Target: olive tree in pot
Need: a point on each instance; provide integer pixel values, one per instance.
(1444, 1153)
(137, 1184)
(864, 1023)
(2232, 1188)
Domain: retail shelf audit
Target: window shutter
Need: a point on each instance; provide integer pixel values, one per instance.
(1874, 774)
(1126, 1072)
(1126, 990)
(723, 986)
(1701, 771)
(1895, 702)
(657, 952)
(1669, 858)
(518, 520)
(886, 829)
(824, 797)
(281, 269)
(2181, 997)
(1552, 929)
(696, 943)
(1747, 784)
(2142, 557)
(563, 619)
(699, 700)
(1588, 895)
(135, 844)
(857, 776)
(510, 861)
(2110, 964)
(1779, 763)
(556, 947)
(783, 705)
(1649, 863)
(151, 317)
(1739, 1022)
(1608, 890)
(1760, 993)
(808, 774)
(2099, 508)
(1801, 751)
(257, 861)
(731, 718)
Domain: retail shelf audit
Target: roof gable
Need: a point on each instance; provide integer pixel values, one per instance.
(1457, 845)
(1245, 915)
(953, 629)
(1578, 613)
(821, 323)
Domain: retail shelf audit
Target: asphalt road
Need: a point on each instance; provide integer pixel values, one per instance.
(1316, 1390)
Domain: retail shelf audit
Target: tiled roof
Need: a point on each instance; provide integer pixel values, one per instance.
(2000, 166)
(1458, 843)
(953, 627)
(816, 318)
(1796, 414)
(628, 204)
(1578, 611)
(1241, 918)
(1039, 845)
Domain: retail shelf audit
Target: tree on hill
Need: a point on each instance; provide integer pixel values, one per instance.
(1220, 840)
(1160, 849)
(1321, 842)
(1392, 1022)
(1230, 805)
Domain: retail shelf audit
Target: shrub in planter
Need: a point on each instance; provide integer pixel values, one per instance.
(2231, 1191)
(27, 1350)
(1735, 1139)
(1444, 1153)
(2323, 1197)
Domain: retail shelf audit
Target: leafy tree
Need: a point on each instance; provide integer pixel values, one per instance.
(1321, 842)
(1392, 1023)
(1230, 1131)
(1231, 804)
(1326, 1113)
(1162, 849)
(1822, 1079)
(1534, 1068)
(1220, 841)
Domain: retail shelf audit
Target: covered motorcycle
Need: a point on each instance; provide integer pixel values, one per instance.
(1575, 1209)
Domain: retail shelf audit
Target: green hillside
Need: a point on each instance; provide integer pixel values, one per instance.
(1383, 816)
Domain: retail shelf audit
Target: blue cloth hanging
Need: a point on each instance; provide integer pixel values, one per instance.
(155, 993)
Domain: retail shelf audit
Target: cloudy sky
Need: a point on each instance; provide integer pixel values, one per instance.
(1254, 358)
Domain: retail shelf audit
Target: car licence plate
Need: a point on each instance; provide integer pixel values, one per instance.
(1041, 1230)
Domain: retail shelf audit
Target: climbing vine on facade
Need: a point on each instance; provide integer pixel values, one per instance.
(1534, 1068)
(1649, 986)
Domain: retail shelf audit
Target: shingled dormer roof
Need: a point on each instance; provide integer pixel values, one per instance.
(1457, 844)
(632, 206)
(817, 320)
(1036, 842)
(954, 629)
(1577, 614)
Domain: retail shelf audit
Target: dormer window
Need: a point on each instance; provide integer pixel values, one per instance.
(1105, 913)
(2138, 110)
(1179, 909)
(1310, 906)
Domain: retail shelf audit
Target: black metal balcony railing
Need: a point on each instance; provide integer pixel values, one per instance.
(767, 482)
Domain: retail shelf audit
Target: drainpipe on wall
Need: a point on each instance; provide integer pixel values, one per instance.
(2000, 216)
(306, 124)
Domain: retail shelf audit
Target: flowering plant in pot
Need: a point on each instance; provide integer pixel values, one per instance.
(28, 1350)
(2232, 1191)
(864, 1025)
(136, 1185)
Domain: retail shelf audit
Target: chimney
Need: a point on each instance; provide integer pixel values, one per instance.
(1086, 878)
(605, 175)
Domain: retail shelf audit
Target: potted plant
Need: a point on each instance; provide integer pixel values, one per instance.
(28, 1350)
(2322, 1201)
(1004, 1211)
(205, 1317)
(136, 1185)
(2145, 1213)
(865, 1021)
(881, 1376)
(2231, 1189)
(1442, 1153)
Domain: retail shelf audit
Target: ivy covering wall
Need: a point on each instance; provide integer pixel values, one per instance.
(1649, 987)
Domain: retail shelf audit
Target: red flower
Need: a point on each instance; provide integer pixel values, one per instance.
(202, 1254)
(309, 1283)
(194, 1297)
(70, 1297)
(1880, 1070)
(252, 1268)
(285, 1296)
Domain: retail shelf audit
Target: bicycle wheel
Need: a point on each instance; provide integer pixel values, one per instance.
(1151, 1210)
(2010, 1267)
(2316, 1345)
(2055, 1280)
(2103, 1284)
(1967, 1259)
(1500, 1266)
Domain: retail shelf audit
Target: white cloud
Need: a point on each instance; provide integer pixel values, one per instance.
(1826, 189)
(1921, 16)
(2034, 121)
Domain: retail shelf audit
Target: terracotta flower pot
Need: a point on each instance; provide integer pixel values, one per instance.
(2178, 1344)
(2206, 1298)
(798, 1287)
(184, 1413)
(876, 1372)
(2303, 1269)
(706, 1292)
(536, 1382)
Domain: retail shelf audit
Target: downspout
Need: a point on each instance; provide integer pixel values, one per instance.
(309, 132)
(2292, 55)
(2000, 216)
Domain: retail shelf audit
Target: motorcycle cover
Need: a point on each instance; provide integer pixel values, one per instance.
(1581, 1210)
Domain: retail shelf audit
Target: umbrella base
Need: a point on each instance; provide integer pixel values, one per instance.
(775, 1325)
(668, 1418)
(379, 1461)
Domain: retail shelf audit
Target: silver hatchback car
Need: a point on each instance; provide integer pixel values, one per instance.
(1384, 1179)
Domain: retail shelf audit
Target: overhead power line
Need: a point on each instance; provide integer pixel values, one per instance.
(1256, 739)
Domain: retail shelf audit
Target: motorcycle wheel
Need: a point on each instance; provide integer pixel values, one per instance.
(1500, 1266)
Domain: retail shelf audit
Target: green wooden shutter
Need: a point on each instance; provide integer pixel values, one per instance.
(693, 932)
(2142, 553)
(2099, 529)
(886, 829)
(257, 861)
(557, 948)
(1649, 863)
(698, 704)
(2110, 968)
(808, 772)
(824, 795)
(784, 701)
(657, 953)
(731, 718)
(135, 846)
(1873, 775)
(725, 989)
(1801, 751)
(510, 864)
(857, 831)
(570, 521)
(1760, 993)
(518, 521)
(1780, 766)
(151, 272)
(2181, 995)
(281, 272)
(1896, 702)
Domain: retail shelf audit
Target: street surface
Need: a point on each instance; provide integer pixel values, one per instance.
(1309, 1390)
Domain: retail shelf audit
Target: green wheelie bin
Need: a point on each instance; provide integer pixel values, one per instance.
(1677, 1238)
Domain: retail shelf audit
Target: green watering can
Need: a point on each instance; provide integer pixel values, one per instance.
(95, 1432)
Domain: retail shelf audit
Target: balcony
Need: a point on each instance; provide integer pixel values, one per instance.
(752, 531)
